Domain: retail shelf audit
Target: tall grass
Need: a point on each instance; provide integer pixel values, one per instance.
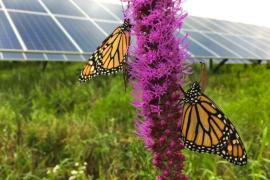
(52, 127)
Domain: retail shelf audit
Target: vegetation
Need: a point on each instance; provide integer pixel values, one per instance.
(53, 127)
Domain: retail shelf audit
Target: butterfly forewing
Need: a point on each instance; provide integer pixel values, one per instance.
(205, 128)
(110, 56)
(205, 121)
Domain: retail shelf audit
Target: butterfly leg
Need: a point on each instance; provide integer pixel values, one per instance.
(125, 75)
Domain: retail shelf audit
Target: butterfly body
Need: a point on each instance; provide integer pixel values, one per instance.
(205, 128)
(110, 57)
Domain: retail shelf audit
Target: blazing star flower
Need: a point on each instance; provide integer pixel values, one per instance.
(157, 72)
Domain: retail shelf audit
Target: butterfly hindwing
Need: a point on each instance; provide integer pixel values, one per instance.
(205, 128)
(89, 70)
(234, 150)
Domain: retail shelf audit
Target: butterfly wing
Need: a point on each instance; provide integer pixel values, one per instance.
(89, 70)
(234, 150)
(113, 52)
(110, 56)
(205, 128)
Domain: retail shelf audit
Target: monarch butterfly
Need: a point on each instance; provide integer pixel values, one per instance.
(110, 57)
(205, 128)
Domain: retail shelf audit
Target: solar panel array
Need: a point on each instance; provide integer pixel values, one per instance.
(209, 38)
(69, 30)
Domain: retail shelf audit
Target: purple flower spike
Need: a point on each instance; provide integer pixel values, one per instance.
(157, 72)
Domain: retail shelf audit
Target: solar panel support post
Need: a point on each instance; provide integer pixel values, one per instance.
(210, 64)
(268, 65)
(256, 62)
(219, 65)
(44, 65)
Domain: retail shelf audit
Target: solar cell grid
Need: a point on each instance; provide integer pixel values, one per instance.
(195, 48)
(41, 33)
(93, 9)
(8, 38)
(248, 45)
(84, 32)
(229, 27)
(64, 7)
(226, 41)
(192, 21)
(107, 26)
(258, 43)
(29, 5)
(246, 31)
(211, 44)
(209, 24)
(115, 9)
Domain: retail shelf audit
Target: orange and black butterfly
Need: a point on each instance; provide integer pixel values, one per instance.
(111, 56)
(205, 128)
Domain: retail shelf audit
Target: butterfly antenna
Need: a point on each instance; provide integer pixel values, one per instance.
(181, 101)
(183, 91)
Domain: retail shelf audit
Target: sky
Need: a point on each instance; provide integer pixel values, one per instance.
(255, 12)
(246, 11)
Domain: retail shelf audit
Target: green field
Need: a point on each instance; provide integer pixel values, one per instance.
(53, 127)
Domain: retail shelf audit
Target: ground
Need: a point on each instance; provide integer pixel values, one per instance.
(53, 127)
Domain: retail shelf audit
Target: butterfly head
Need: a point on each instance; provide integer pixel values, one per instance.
(195, 86)
(191, 96)
(126, 25)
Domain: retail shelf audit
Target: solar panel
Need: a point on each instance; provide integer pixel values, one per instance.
(69, 30)
(41, 33)
(84, 32)
(226, 41)
(115, 9)
(108, 26)
(63, 7)
(28, 5)
(197, 49)
(235, 42)
(8, 38)
(94, 10)
(193, 23)
(211, 44)
(252, 47)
